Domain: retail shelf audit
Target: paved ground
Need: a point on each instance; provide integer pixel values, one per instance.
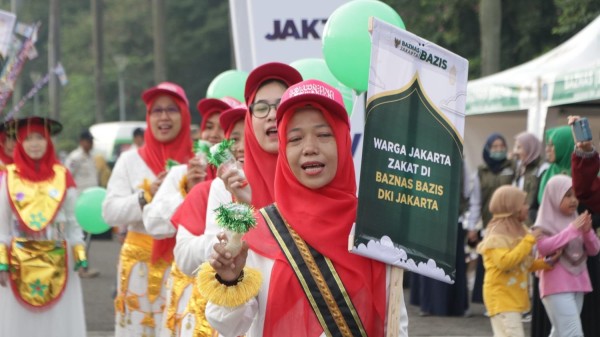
(99, 308)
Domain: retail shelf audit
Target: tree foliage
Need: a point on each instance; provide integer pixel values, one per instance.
(198, 44)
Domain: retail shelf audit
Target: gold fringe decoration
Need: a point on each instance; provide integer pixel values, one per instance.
(223, 295)
(148, 320)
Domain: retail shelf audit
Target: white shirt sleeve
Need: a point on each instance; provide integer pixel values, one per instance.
(192, 250)
(232, 322)
(121, 205)
(474, 204)
(157, 214)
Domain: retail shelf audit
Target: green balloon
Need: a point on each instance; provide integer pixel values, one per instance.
(313, 68)
(228, 83)
(346, 40)
(88, 210)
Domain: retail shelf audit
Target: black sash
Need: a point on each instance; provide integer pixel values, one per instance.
(319, 280)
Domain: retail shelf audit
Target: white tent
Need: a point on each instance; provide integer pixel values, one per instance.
(537, 94)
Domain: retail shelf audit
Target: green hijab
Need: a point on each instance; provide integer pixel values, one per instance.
(562, 138)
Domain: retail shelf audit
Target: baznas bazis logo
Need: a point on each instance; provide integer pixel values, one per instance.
(421, 54)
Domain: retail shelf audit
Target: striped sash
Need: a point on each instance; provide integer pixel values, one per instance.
(319, 280)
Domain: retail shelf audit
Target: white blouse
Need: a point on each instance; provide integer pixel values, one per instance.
(121, 206)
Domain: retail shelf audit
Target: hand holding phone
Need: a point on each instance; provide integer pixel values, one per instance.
(581, 130)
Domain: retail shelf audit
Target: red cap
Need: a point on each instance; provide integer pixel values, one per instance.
(313, 91)
(270, 71)
(167, 88)
(229, 117)
(207, 106)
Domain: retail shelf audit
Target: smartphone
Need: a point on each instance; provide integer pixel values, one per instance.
(581, 128)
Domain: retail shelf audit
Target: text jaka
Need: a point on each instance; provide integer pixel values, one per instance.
(284, 29)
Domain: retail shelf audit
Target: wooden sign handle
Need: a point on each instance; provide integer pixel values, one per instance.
(394, 301)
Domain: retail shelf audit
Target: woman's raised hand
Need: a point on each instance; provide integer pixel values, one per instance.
(236, 183)
(228, 267)
(156, 183)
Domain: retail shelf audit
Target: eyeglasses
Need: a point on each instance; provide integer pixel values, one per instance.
(159, 111)
(261, 109)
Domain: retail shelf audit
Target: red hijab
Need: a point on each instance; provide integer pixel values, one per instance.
(208, 107)
(6, 159)
(40, 169)
(192, 212)
(154, 153)
(324, 224)
(259, 165)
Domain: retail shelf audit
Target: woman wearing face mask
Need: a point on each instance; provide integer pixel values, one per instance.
(314, 163)
(135, 180)
(41, 243)
(496, 171)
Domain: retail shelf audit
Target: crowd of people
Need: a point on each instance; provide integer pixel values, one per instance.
(531, 221)
(529, 217)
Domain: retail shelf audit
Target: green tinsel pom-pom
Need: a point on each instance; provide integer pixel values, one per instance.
(170, 164)
(201, 146)
(235, 217)
(220, 153)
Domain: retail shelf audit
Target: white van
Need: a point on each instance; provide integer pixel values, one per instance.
(112, 138)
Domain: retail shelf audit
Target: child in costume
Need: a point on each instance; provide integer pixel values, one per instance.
(41, 243)
(311, 285)
(137, 176)
(562, 288)
(508, 258)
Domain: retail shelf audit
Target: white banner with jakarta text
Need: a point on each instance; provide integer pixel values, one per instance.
(282, 31)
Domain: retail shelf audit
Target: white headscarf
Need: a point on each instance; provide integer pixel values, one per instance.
(552, 221)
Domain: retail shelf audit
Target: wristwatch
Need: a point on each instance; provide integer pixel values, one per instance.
(141, 199)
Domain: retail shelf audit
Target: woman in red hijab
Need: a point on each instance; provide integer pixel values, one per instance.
(186, 308)
(41, 243)
(135, 180)
(306, 255)
(210, 128)
(264, 87)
